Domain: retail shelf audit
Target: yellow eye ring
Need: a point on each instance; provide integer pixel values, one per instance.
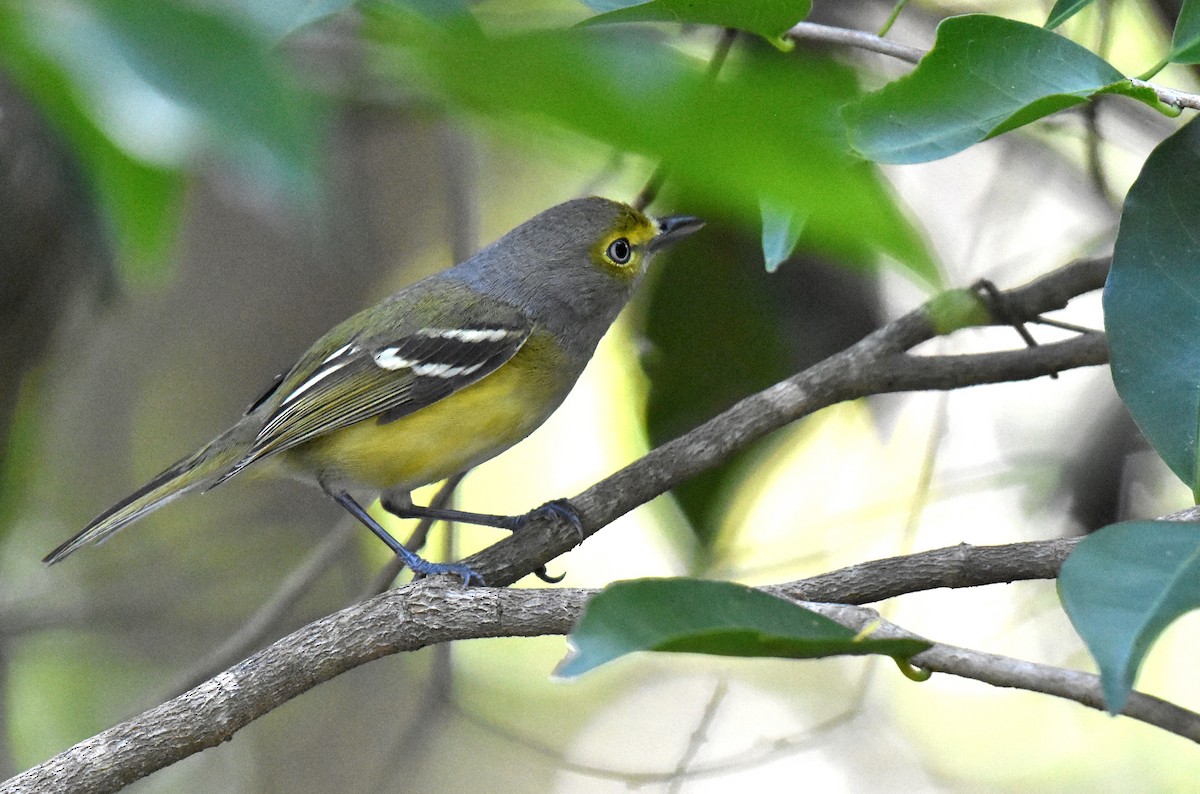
(619, 251)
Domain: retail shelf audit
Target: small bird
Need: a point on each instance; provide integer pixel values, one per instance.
(441, 376)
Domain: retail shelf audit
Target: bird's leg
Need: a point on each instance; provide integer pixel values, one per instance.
(401, 506)
(415, 562)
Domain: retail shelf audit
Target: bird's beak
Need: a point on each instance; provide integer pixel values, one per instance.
(674, 228)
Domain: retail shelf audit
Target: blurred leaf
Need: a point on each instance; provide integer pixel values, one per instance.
(1064, 10)
(984, 76)
(955, 309)
(781, 229)
(141, 201)
(1185, 44)
(771, 129)
(227, 73)
(1122, 586)
(717, 618)
(1152, 301)
(314, 11)
(768, 18)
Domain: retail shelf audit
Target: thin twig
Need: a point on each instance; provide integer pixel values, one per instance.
(698, 738)
(811, 31)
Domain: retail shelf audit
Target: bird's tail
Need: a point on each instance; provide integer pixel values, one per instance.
(201, 469)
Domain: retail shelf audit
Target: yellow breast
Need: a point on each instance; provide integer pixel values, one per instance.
(449, 436)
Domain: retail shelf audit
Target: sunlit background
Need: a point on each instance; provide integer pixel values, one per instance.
(152, 350)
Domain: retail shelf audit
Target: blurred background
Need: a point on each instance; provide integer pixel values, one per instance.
(191, 193)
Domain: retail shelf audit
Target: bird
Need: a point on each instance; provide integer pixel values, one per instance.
(442, 375)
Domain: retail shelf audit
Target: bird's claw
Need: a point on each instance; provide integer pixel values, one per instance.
(463, 572)
(547, 578)
(560, 508)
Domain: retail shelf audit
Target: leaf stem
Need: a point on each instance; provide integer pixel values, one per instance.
(1155, 69)
(891, 20)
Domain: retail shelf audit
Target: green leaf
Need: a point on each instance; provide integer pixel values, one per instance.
(1152, 301)
(141, 202)
(768, 18)
(718, 618)
(985, 75)
(781, 230)
(1185, 44)
(226, 73)
(769, 129)
(1122, 586)
(1064, 10)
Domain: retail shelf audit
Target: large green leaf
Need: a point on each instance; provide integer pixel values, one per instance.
(769, 129)
(1064, 10)
(1185, 44)
(1152, 301)
(1122, 586)
(718, 618)
(140, 201)
(768, 18)
(985, 75)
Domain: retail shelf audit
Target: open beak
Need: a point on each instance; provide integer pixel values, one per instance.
(674, 228)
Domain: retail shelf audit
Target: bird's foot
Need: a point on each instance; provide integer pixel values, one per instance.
(423, 567)
(555, 508)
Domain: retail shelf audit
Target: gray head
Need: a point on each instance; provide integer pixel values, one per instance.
(573, 267)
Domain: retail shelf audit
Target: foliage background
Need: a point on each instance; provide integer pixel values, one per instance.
(251, 232)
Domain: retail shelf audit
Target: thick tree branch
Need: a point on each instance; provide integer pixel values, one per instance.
(430, 612)
(878, 363)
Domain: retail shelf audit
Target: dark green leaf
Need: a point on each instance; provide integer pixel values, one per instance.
(712, 320)
(768, 18)
(769, 130)
(718, 618)
(1122, 586)
(985, 75)
(1152, 301)
(781, 229)
(1185, 44)
(231, 76)
(1064, 10)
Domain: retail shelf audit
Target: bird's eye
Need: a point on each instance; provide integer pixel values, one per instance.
(619, 251)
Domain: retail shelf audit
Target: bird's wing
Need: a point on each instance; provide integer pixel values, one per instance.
(388, 373)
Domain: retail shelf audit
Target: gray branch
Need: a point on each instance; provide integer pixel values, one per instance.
(436, 611)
